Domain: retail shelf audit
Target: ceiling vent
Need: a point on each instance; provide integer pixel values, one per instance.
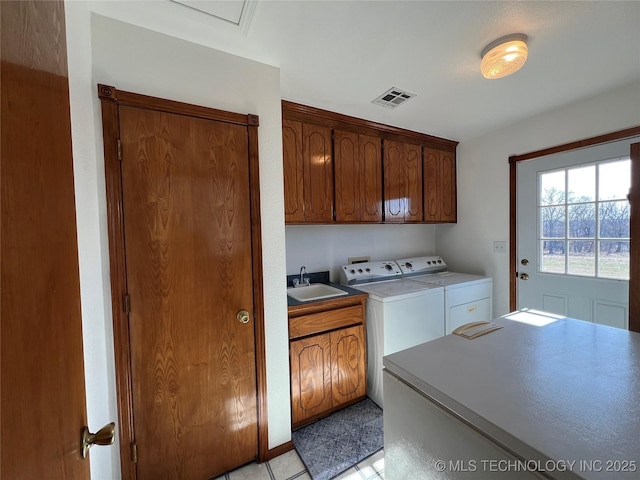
(393, 98)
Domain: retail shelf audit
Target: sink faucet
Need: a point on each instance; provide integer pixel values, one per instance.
(302, 281)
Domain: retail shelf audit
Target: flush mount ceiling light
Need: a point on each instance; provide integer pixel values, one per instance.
(504, 56)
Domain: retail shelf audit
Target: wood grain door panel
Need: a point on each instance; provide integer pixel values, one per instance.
(348, 174)
(449, 191)
(318, 173)
(348, 364)
(371, 189)
(432, 182)
(42, 363)
(310, 377)
(413, 172)
(293, 171)
(394, 181)
(188, 250)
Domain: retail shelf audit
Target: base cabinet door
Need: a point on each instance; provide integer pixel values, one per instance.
(310, 377)
(348, 364)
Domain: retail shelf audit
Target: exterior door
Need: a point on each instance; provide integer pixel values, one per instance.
(187, 230)
(574, 233)
(43, 390)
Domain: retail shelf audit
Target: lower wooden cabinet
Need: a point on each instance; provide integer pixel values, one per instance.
(328, 368)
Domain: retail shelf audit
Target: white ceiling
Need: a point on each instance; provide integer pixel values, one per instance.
(341, 55)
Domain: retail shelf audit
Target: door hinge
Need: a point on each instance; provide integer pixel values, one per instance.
(127, 304)
(134, 453)
(119, 150)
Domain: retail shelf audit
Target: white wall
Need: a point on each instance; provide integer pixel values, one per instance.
(483, 179)
(103, 50)
(327, 247)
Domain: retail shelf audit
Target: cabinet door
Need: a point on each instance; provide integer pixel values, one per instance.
(402, 182)
(293, 171)
(348, 174)
(348, 364)
(440, 186)
(317, 173)
(310, 377)
(413, 173)
(358, 177)
(370, 155)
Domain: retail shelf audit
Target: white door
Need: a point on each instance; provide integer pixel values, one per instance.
(573, 233)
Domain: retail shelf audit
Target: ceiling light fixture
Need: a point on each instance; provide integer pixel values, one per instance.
(504, 56)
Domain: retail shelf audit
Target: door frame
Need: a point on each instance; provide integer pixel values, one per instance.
(634, 198)
(111, 100)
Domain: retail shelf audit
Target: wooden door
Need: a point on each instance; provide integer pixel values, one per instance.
(43, 390)
(318, 173)
(439, 186)
(348, 364)
(358, 177)
(310, 377)
(293, 171)
(187, 233)
(402, 182)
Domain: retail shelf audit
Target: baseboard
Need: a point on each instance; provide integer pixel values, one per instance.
(279, 450)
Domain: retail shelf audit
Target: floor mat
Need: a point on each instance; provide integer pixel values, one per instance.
(334, 444)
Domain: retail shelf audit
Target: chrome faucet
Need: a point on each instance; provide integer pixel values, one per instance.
(302, 281)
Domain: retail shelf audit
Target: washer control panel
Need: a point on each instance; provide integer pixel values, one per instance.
(368, 272)
(421, 265)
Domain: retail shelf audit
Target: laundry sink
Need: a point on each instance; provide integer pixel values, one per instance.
(315, 291)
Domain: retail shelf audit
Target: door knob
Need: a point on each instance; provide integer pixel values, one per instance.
(524, 276)
(524, 261)
(105, 436)
(243, 316)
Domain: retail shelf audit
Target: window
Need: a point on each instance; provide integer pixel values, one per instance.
(583, 218)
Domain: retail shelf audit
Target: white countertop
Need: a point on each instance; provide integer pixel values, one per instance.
(552, 389)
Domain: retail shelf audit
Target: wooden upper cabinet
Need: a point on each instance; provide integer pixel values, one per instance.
(317, 173)
(308, 172)
(440, 200)
(358, 177)
(402, 182)
(293, 171)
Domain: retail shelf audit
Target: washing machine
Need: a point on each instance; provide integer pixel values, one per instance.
(467, 298)
(400, 313)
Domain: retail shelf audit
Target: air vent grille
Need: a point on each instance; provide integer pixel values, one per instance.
(393, 98)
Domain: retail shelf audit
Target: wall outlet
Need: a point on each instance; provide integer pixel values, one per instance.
(358, 260)
(499, 246)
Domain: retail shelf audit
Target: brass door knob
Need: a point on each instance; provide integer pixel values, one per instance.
(105, 436)
(524, 261)
(243, 316)
(524, 276)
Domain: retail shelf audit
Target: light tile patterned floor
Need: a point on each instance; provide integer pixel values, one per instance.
(289, 467)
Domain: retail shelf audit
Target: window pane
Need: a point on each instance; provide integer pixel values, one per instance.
(614, 219)
(552, 222)
(615, 180)
(552, 188)
(582, 184)
(582, 258)
(552, 259)
(582, 220)
(614, 260)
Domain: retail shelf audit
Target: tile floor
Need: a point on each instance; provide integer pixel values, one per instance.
(289, 467)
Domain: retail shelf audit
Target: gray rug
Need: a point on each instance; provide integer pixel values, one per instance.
(334, 444)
